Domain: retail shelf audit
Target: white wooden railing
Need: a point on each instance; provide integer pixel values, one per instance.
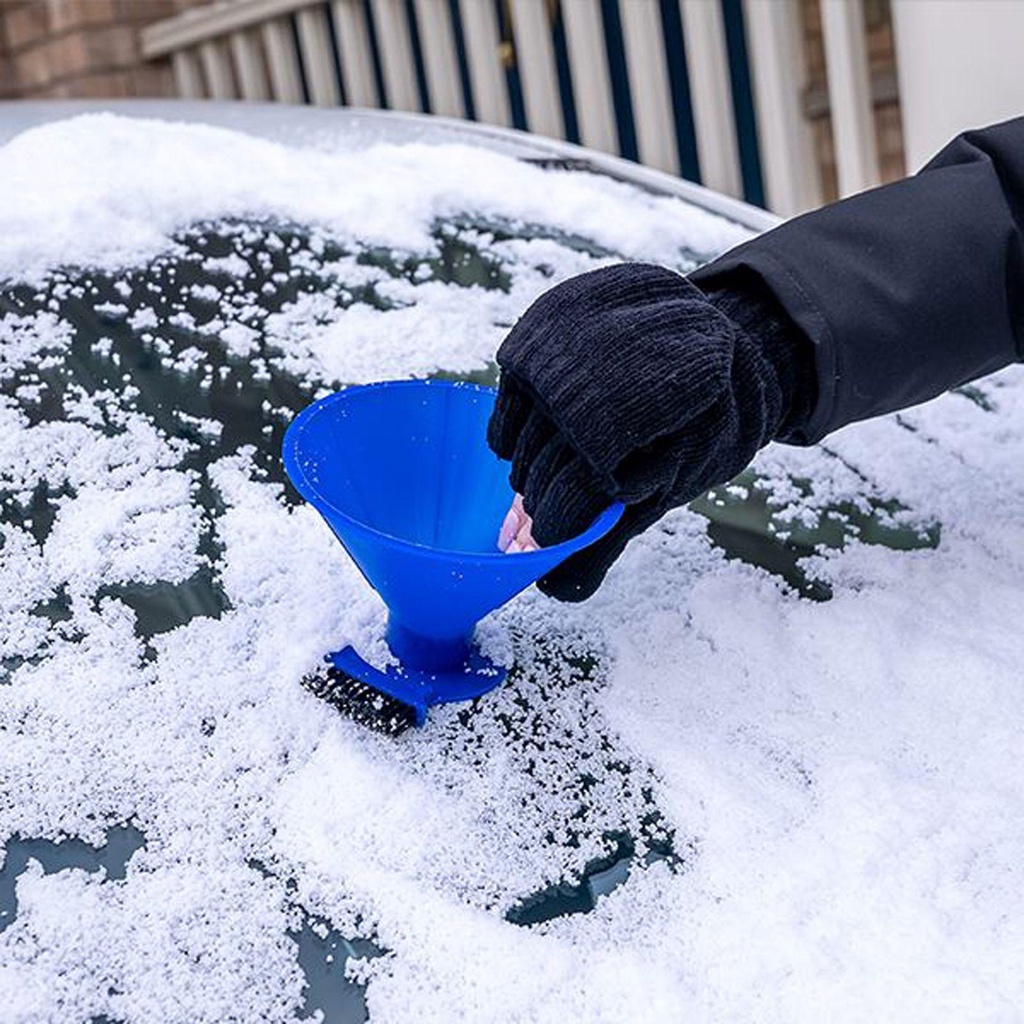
(454, 59)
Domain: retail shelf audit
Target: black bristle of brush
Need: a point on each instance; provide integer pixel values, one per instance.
(360, 701)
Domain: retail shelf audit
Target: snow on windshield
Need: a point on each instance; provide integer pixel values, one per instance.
(729, 787)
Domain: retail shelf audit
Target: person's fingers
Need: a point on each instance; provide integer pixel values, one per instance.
(567, 503)
(516, 531)
(512, 409)
(537, 432)
(511, 526)
(579, 576)
(524, 538)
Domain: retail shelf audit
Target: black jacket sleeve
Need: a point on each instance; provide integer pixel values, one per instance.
(907, 290)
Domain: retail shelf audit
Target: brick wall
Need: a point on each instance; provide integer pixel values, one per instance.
(81, 48)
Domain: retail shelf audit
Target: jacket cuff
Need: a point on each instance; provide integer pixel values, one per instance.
(798, 304)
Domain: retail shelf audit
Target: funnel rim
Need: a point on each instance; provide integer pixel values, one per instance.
(603, 522)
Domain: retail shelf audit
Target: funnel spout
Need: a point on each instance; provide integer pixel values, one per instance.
(427, 653)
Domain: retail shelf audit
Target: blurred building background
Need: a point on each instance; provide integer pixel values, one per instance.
(88, 49)
(787, 103)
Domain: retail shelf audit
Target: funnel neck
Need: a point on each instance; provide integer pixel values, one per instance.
(426, 653)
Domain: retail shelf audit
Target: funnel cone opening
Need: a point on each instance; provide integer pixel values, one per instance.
(408, 461)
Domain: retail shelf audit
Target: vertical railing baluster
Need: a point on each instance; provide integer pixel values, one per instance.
(490, 92)
(216, 63)
(535, 58)
(188, 76)
(849, 95)
(437, 39)
(396, 54)
(591, 81)
(249, 69)
(649, 84)
(282, 61)
(711, 94)
(317, 56)
(792, 180)
(353, 37)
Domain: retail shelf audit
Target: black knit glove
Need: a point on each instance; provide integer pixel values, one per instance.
(630, 383)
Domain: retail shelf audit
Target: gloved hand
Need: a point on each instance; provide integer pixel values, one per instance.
(629, 383)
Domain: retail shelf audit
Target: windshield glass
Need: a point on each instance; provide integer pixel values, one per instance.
(179, 802)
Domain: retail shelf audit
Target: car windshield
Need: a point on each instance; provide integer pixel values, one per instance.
(181, 807)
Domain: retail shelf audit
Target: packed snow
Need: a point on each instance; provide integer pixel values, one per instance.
(778, 788)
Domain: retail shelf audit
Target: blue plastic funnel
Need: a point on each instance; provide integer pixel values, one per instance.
(402, 474)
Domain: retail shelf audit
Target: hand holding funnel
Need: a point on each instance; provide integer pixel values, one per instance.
(402, 474)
